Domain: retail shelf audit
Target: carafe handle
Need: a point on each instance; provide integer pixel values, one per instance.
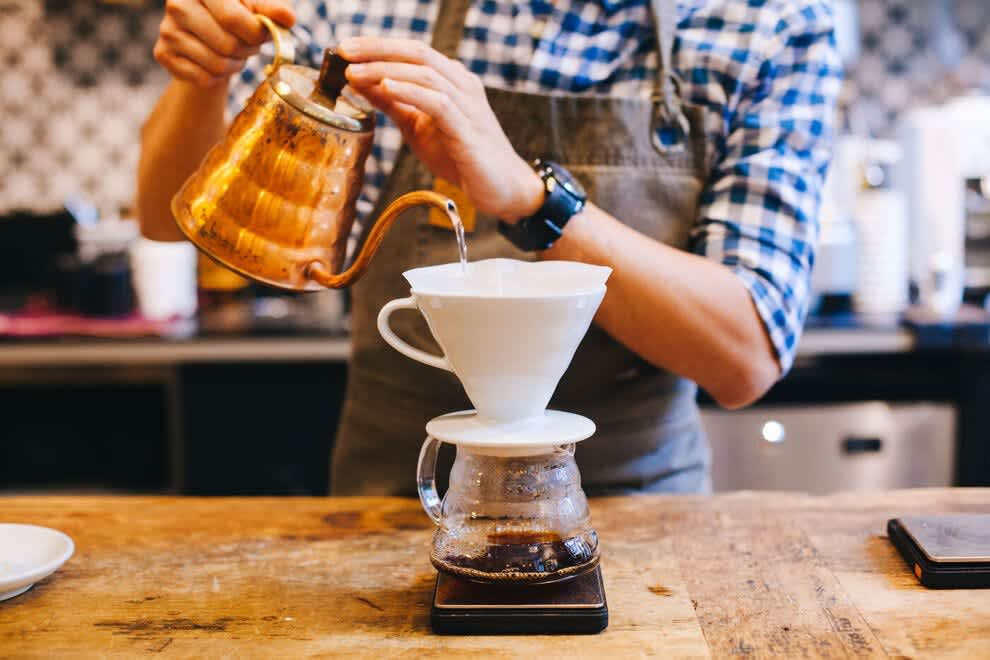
(396, 342)
(318, 271)
(426, 478)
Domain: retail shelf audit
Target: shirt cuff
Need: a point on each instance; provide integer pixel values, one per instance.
(782, 323)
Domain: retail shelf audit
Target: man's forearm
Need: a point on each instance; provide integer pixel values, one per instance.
(676, 310)
(185, 123)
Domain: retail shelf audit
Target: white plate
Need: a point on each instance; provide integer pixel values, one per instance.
(29, 553)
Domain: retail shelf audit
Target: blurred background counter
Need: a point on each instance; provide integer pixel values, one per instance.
(255, 412)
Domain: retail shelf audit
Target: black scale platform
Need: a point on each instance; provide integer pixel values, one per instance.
(576, 606)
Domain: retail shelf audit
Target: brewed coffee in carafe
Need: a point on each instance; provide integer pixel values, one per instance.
(514, 519)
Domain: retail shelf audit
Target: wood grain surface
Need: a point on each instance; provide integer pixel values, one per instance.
(761, 575)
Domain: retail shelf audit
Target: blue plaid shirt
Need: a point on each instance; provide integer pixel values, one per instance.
(767, 68)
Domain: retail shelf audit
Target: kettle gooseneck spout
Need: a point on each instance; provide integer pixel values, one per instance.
(317, 272)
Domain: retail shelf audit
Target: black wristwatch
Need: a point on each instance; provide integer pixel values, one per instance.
(565, 198)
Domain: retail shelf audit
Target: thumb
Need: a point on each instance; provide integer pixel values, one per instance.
(278, 10)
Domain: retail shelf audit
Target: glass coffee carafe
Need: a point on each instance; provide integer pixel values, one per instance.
(509, 519)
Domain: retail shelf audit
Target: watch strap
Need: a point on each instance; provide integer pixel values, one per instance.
(542, 229)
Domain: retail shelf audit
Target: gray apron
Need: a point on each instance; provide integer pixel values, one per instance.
(649, 435)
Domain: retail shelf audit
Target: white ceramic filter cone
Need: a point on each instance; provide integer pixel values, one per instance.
(508, 329)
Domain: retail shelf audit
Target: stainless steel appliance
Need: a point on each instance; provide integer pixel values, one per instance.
(829, 448)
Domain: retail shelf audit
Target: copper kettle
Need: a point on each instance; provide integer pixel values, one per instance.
(275, 200)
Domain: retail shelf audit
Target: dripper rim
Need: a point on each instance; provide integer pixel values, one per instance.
(592, 291)
(507, 297)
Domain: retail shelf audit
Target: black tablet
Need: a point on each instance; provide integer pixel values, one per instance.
(949, 551)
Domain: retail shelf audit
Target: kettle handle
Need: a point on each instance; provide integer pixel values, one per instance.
(426, 479)
(318, 272)
(280, 45)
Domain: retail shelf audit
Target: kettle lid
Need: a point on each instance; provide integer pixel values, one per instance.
(323, 95)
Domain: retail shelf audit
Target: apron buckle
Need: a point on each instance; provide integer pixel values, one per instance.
(670, 129)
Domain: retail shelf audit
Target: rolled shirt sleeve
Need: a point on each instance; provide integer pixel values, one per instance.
(758, 212)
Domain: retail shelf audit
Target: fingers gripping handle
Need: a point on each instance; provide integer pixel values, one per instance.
(393, 340)
(426, 484)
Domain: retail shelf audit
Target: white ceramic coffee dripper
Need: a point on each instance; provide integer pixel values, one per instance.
(515, 511)
(508, 329)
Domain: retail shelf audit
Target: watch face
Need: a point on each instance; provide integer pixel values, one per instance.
(565, 179)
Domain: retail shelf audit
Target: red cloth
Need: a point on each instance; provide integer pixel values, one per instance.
(38, 320)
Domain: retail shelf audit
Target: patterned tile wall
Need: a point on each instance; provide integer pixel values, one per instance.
(917, 52)
(77, 79)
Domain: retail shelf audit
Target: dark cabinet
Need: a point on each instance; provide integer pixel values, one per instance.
(259, 429)
(89, 431)
(267, 428)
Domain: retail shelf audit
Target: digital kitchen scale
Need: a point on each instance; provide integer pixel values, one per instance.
(576, 606)
(945, 551)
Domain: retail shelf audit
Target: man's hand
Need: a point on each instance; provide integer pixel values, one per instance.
(203, 42)
(444, 116)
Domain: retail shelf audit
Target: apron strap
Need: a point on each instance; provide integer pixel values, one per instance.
(668, 115)
(449, 26)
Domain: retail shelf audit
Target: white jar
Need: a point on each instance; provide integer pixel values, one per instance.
(881, 218)
(164, 276)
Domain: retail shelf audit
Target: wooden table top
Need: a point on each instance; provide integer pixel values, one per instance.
(745, 574)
